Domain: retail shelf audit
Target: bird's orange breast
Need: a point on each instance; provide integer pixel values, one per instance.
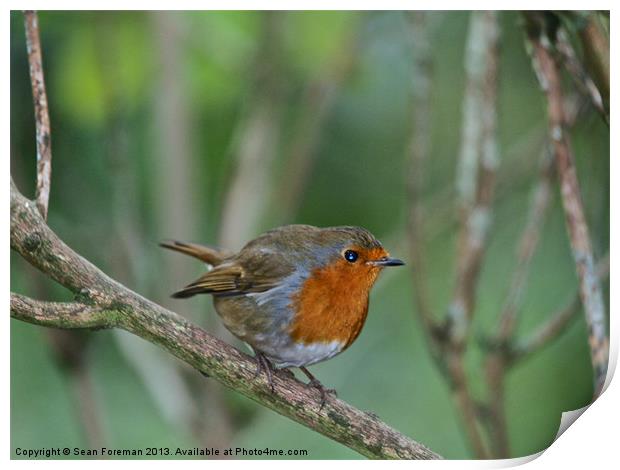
(332, 304)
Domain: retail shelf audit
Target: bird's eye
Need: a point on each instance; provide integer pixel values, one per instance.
(350, 256)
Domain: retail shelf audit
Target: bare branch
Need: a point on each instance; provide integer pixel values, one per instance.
(596, 47)
(41, 114)
(121, 307)
(591, 295)
(579, 74)
(527, 245)
(60, 314)
(477, 165)
(556, 324)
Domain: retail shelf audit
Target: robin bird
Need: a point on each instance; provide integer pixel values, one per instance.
(297, 294)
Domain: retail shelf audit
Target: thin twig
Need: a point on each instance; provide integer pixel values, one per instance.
(539, 205)
(41, 114)
(108, 303)
(579, 74)
(591, 294)
(596, 48)
(556, 323)
(528, 242)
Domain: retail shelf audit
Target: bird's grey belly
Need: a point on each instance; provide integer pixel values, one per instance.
(264, 324)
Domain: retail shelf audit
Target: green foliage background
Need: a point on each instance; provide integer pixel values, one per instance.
(101, 70)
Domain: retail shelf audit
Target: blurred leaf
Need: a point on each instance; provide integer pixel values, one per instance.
(77, 79)
(313, 38)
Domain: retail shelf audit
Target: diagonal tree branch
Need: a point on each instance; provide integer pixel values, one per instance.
(42, 119)
(106, 303)
(589, 284)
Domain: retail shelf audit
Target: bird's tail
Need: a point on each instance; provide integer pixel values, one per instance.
(207, 254)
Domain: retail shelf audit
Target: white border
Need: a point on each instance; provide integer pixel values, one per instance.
(591, 442)
(308, 5)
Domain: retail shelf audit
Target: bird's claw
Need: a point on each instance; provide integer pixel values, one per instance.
(324, 391)
(288, 372)
(262, 363)
(318, 385)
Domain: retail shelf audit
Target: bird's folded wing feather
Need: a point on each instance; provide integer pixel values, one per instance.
(255, 272)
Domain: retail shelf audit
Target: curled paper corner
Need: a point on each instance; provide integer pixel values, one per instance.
(612, 363)
(568, 418)
(517, 461)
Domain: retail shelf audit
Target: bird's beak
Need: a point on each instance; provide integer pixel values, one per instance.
(386, 261)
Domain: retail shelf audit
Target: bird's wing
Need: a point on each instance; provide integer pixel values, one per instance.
(257, 271)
